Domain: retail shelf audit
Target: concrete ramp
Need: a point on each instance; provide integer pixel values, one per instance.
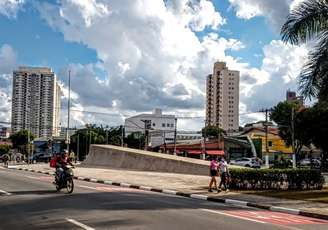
(126, 158)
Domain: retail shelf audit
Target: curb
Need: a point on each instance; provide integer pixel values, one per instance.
(194, 196)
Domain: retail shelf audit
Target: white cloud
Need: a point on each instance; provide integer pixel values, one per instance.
(9, 8)
(7, 64)
(275, 11)
(267, 86)
(153, 58)
(87, 11)
(198, 14)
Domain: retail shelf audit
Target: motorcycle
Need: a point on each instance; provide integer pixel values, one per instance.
(65, 180)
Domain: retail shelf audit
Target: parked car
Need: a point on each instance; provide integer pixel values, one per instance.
(246, 162)
(310, 162)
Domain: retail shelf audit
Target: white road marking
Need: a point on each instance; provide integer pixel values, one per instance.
(197, 196)
(86, 227)
(166, 191)
(4, 192)
(145, 188)
(226, 214)
(238, 202)
(126, 185)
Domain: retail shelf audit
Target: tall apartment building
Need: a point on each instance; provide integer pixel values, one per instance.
(36, 101)
(222, 98)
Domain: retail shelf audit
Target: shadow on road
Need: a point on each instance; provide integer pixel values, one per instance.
(33, 192)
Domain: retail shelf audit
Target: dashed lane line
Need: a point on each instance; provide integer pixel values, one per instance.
(81, 225)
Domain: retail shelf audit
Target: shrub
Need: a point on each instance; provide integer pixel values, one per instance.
(276, 179)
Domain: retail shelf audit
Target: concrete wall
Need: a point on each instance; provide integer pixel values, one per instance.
(126, 158)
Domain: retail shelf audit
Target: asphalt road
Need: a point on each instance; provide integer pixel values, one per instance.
(29, 201)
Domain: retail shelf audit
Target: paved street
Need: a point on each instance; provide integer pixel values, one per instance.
(29, 201)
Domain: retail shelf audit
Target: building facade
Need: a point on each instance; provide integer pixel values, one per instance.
(161, 127)
(36, 101)
(4, 132)
(222, 98)
(291, 96)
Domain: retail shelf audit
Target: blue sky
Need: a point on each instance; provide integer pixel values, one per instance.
(126, 59)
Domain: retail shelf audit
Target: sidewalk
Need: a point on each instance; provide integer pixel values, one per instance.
(185, 184)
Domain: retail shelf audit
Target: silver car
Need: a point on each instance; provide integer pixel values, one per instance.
(246, 162)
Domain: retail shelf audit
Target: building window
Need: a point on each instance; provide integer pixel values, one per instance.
(270, 143)
(163, 124)
(172, 125)
(154, 124)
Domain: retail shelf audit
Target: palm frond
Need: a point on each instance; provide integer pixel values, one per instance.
(315, 73)
(306, 22)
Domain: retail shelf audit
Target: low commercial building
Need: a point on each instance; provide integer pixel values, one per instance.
(229, 147)
(275, 144)
(159, 128)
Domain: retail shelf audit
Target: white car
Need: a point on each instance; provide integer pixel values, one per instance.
(309, 162)
(246, 162)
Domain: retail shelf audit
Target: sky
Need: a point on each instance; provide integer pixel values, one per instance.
(131, 56)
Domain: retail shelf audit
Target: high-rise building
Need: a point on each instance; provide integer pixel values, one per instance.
(36, 101)
(222, 98)
(292, 97)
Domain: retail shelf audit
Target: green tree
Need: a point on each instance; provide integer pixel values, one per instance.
(135, 140)
(212, 131)
(20, 140)
(319, 128)
(309, 22)
(4, 149)
(282, 115)
(93, 134)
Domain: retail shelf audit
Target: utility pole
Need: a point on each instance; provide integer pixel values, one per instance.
(175, 136)
(78, 147)
(293, 136)
(266, 139)
(266, 136)
(28, 145)
(68, 110)
(122, 135)
(106, 137)
(204, 145)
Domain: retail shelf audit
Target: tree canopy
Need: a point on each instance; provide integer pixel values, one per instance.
(212, 131)
(282, 115)
(308, 21)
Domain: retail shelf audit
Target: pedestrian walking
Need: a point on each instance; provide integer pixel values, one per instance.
(5, 160)
(224, 174)
(213, 173)
(72, 156)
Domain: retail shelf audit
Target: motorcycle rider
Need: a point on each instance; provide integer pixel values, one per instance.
(62, 160)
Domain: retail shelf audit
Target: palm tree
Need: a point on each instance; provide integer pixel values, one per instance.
(308, 22)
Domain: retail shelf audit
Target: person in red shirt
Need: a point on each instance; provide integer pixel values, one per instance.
(62, 160)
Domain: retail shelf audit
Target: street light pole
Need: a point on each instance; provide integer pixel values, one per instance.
(175, 136)
(122, 135)
(68, 109)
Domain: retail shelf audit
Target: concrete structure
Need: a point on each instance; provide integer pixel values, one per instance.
(222, 98)
(36, 101)
(292, 97)
(161, 127)
(126, 158)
